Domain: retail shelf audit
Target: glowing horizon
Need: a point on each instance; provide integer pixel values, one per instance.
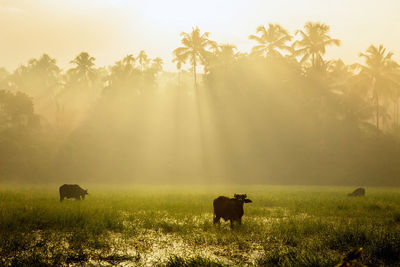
(111, 29)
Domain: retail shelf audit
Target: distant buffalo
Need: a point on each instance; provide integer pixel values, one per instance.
(72, 191)
(359, 192)
(230, 208)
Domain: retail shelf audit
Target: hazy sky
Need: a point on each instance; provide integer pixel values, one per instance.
(110, 29)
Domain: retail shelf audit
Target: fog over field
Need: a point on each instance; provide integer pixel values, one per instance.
(296, 105)
(282, 113)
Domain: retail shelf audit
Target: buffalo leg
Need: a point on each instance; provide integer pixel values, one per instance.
(231, 223)
(240, 221)
(61, 198)
(216, 219)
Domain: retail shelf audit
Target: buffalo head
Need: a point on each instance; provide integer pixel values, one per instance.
(242, 198)
(85, 192)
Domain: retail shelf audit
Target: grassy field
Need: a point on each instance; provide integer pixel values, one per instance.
(172, 226)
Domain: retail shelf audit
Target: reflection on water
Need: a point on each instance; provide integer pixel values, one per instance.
(186, 238)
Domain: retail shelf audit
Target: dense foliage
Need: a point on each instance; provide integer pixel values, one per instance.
(280, 114)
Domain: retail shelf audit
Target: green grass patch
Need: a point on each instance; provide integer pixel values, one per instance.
(165, 225)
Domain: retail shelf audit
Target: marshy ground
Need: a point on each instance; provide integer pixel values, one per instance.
(172, 226)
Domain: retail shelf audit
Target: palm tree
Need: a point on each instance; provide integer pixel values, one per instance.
(349, 94)
(271, 41)
(84, 72)
(3, 78)
(143, 60)
(157, 64)
(223, 56)
(129, 61)
(314, 40)
(396, 97)
(179, 60)
(378, 69)
(194, 48)
(226, 54)
(339, 74)
(48, 67)
(40, 77)
(123, 71)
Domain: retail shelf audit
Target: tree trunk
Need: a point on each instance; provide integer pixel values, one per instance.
(376, 95)
(397, 112)
(195, 76)
(377, 111)
(313, 60)
(394, 114)
(179, 79)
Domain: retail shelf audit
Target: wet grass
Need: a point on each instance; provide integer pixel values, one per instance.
(172, 226)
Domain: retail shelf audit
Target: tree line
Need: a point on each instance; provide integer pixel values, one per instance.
(279, 114)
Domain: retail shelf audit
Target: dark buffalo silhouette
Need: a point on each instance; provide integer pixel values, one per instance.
(359, 192)
(230, 208)
(351, 258)
(72, 191)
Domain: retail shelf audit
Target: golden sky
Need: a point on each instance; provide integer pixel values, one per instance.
(110, 29)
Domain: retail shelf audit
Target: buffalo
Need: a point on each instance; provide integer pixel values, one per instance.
(359, 192)
(351, 258)
(72, 191)
(230, 208)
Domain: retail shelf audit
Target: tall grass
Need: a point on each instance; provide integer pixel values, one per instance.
(165, 225)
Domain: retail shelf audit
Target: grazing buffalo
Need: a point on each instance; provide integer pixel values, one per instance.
(230, 208)
(72, 191)
(359, 192)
